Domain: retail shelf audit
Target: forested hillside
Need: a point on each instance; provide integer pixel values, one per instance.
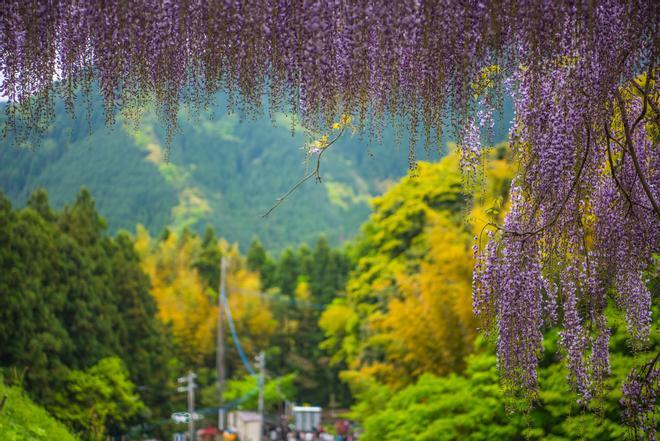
(223, 170)
(97, 327)
(78, 326)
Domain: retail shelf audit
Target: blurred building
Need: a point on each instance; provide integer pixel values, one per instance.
(246, 424)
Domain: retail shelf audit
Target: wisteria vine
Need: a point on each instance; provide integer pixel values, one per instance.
(584, 222)
(639, 394)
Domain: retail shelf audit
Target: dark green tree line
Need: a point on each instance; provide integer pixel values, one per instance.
(70, 296)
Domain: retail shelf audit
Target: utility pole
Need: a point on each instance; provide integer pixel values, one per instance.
(190, 389)
(262, 377)
(220, 353)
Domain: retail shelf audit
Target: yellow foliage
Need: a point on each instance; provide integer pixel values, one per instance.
(338, 322)
(490, 203)
(430, 327)
(485, 80)
(323, 141)
(303, 292)
(182, 298)
(190, 306)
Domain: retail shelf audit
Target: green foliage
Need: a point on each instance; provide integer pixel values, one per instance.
(146, 346)
(473, 405)
(71, 296)
(287, 273)
(447, 408)
(407, 308)
(260, 261)
(23, 420)
(208, 261)
(305, 281)
(256, 255)
(98, 399)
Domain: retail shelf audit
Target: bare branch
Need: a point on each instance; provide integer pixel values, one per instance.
(645, 100)
(314, 173)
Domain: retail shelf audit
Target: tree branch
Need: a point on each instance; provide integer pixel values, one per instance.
(645, 100)
(633, 154)
(316, 172)
(653, 105)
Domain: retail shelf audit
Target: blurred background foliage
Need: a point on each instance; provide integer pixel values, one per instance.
(99, 315)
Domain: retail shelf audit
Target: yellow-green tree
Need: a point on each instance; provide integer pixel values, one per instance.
(408, 305)
(183, 300)
(250, 308)
(188, 302)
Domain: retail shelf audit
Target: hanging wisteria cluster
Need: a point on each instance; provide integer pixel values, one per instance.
(584, 221)
(639, 393)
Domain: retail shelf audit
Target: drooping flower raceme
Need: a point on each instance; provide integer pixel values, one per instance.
(640, 391)
(584, 221)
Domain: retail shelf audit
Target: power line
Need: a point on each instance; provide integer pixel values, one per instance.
(234, 334)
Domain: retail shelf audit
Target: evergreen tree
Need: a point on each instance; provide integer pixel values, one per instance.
(38, 201)
(323, 275)
(146, 346)
(90, 313)
(32, 338)
(269, 273)
(287, 272)
(305, 262)
(208, 262)
(71, 296)
(256, 256)
(259, 260)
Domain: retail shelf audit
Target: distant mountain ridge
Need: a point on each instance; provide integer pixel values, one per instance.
(221, 171)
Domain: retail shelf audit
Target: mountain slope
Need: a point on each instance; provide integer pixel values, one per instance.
(220, 171)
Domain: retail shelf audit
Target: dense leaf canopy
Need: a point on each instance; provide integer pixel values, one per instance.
(407, 308)
(25, 420)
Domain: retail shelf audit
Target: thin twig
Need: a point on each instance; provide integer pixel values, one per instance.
(651, 366)
(653, 105)
(612, 169)
(616, 180)
(610, 136)
(645, 94)
(2, 402)
(316, 172)
(631, 203)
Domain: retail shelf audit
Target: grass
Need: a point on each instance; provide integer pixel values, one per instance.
(23, 420)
